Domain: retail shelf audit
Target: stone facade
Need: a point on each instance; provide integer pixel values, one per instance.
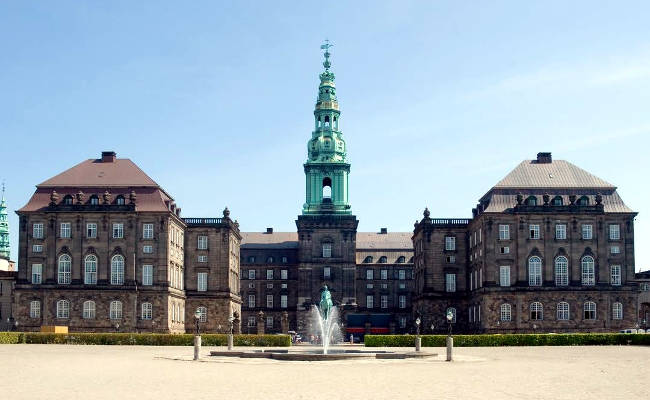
(7, 282)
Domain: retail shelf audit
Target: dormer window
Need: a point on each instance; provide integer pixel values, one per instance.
(401, 259)
(583, 201)
(94, 200)
(67, 200)
(557, 201)
(531, 201)
(383, 259)
(368, 260)
(119, 200)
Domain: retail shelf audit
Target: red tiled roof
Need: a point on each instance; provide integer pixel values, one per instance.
(94, 173)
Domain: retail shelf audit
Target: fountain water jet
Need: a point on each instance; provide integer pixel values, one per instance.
(326, 317)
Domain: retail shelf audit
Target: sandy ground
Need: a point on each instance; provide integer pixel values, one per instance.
(134, 372)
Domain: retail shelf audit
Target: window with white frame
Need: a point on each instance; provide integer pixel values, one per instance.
(370, 274)
(327, 250)
(117, 270)
(269, 301)
(617, 310)
(91, 230)
(147, 275)
(451, 259)
(115, 309)
(251, 322)
(251, 301)
(615, 250)
(534, 271)
(383, 301)
(563, 311)
(616, 275)
(383, 274)
(202, 281)
(251, 274)
(506, 312)
(37, 248)
(587, 232)
(327, 272)
(283, 301)
(504, 232)
(65, 230)
(402, 301)
(147, 249)
(269, 322)
(65, 269)
(202, 242)
(37, 274)
(146, 311)
(284, 274)
(614, 232)
(402, 285)
(37, 230)
(269, 274)
(147, 231)
(588, 270)
(450, 282)
(203, 259)
(118, 230)
(90, 270)
(63, 309)
(34, 309)
(401, 274)
(560, 231)
(450, 243)
(561, 271)
(284, 260)
(589, 310)
(504, 275)
(283, 286)
(370, 301)
(536, 311)
(534, 231)
(89, 309)
(203, 314)
(505, 250)
(453, 314)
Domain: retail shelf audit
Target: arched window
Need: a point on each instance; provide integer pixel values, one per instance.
(590, 310)
(146, 311)
(617, 310)
(367, 260)
(67, 200)
(383, 259)
(583, 201)
(270, 260)
(536, 311)
(35, 309)
(116, 309)
(63, 309)
(65, 266)
(506, 312)
(89, 309)
(561, 271)
(117, 270)
(119, 200)
(563, 311)
(90, 270)
(327, 188)
(401, 259)
(203, 314)
(327, 121)
(531, 201)
(535, 271)
(557, 201)
(588, 270)
(453, 313)
(94, 200)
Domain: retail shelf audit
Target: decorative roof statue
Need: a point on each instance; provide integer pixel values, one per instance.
(132, 197)
(107, 197)
(54, 198)
(226, 213)
(426, 212)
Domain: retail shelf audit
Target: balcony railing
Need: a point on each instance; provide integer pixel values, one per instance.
(450, 221)
(203, 221)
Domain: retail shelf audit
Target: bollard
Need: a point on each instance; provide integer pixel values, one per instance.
(230, 341)
(351, 339)
(450, 347)
(418, 343)
(197, 346)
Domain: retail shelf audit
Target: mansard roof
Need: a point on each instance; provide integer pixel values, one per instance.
(554, 174)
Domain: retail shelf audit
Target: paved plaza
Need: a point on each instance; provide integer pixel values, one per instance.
(142, 372)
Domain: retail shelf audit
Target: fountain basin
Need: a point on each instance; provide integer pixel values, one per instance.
(318, 355)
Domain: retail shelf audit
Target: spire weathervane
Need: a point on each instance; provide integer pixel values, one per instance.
(326, 47)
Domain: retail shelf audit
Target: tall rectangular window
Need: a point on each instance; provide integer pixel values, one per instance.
(560, 231)
(450, 282)
(146, 311)
(327, 272)
(284, 274)
(450, 243)
(202, 242)
(91, 230)
(384, 301)
(384, 274)
(269, 301)
(37, 274)
(202, 281)
(614, 232)
(269, 322)
(370, 301)
(370, 274)
(402, 301)
(65, 229)
(251, 301)
(283, 301)
(401, 274)
(504, 275)
(251, 274)
(534, 231)
(327, 250)
(38, 231)
(587, 232)
(147, 231)
(504, 232)
(147, 275)
(118, 230)
(269, 274)
(35, 309)
(616, 275)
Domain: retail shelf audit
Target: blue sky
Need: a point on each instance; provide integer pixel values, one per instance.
(439, 100)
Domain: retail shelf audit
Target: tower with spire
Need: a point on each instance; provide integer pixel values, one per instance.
(4, 227)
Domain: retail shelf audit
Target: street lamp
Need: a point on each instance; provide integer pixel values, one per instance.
(450, 340)
(418, 340)
(197, 337)
(231, 321)
(433, 327)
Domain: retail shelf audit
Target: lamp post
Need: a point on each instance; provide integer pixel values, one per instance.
(418, 340)
(197, 336)
(231, 321)
(433, 328)
(450, 340)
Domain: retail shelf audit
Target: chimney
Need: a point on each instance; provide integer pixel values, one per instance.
(544, 158)
(269, 230)
(383, 231)
(108, 156)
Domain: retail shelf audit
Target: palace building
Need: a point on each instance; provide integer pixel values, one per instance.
(550, 248)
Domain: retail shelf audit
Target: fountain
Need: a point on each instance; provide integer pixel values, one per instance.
(326, 316)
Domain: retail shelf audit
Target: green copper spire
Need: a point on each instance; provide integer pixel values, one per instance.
(326, 168)
(4, 227)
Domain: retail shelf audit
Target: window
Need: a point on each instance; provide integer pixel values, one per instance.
(402, 322)
(557, 201)
(65, 229)
(37, 274)
(269, 286)
(401, 259)
(269, 274)
(450, 282)
(65, 265)
(534, 231)
(369, 285)
(563, 311)
(617, 311)
(147, 249)
(645, 287)
(560, 231)
(147, 275)
(284, 260)
(370, 301)
(367, 260)
(370, 274)
(401, 274)
(37, 248)
(251, 260)
(561, 271)
(146, 311)
(402, 285)
(269, 322)
(63, 309)
(451, 310)
(590, 310)
(38, 231)
(89, 309)
(284, 274)
(90, 270)
(506, 312)
(583, 201)
(283, 286)
(269, 301)
(94, 200)
(531, 201)
(203, 314)
(251, 301)
(327, 250)
(504, 275)
(505, 250)
(616, 275)
(283, 301)
(536, 311)
(119, 200)
(615, 250)
(35, 309)
(327, 272)
(614, 232)
(118, 231)
(116, 310)
(251, 321)
(384, 301)
(117, 270)
(203, 259)
(588, 273)
(384, 274)
(450, 243)
(587, 232)
(451, 259)
(91, 230)
(504, 232)
(251, 274)
(534, 271)
(383, 260)
(402, 301)
(147, 231)
(202, 281)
